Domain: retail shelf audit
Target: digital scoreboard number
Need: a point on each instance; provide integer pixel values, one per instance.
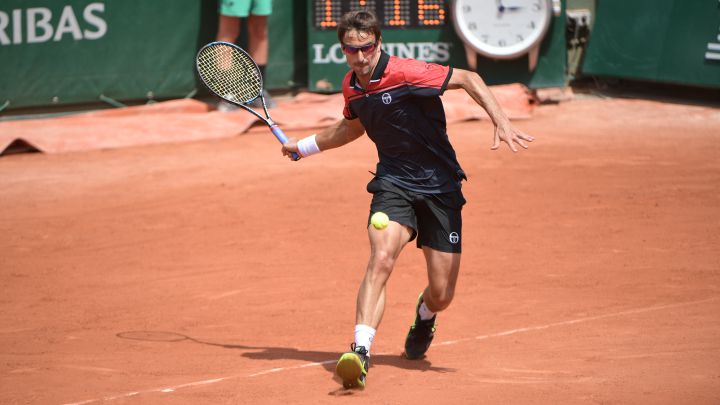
(393, 14)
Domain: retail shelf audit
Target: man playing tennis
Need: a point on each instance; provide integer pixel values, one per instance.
(418, 179)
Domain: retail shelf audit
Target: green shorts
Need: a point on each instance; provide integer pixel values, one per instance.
(244, 8)
(436, 219)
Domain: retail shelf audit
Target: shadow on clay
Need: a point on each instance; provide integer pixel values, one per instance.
(326, 359)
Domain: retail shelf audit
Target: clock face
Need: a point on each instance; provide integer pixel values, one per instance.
(502, 29)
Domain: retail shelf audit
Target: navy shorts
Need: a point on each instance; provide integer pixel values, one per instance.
(435, 219)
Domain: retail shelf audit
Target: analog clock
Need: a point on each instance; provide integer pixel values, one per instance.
(503, 29)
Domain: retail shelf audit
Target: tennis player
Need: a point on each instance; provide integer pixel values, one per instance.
(417, 182)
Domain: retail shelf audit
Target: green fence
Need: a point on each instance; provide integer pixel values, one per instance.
(60, 52)
(73, 51)
(82, 51)
(675, 41)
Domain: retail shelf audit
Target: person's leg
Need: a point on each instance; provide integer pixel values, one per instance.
(258, 48)
(258, 43)
(258, 38)
(228, 29)
(440, 229)
(443, 269)
(385, 247)
(231, 11)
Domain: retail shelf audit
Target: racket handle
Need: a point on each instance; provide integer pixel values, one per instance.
(280, 135)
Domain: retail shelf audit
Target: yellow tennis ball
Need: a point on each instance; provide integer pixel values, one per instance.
(379, 220)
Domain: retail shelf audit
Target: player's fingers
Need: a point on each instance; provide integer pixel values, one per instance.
(286, 152)
(510, 143)
(496, 142)
(526, 137)
(520, 142)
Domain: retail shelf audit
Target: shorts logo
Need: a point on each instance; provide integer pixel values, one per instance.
(386, 98)
(454, 238)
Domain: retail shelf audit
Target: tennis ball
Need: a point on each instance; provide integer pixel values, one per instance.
(379, 220)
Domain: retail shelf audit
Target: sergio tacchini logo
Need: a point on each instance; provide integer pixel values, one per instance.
(386, 98)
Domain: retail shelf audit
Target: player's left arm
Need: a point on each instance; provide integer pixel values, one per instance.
(474, 85)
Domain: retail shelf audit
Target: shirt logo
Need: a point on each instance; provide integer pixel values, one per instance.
(454, 238)
(386, 98)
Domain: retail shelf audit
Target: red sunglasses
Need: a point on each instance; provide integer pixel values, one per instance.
(352, 50)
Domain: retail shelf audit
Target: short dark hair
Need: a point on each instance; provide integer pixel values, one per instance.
(359, 20)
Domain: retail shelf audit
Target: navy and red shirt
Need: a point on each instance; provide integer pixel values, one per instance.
(402, 113)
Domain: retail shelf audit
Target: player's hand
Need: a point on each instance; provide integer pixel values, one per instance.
(508, 134)
(289, 147)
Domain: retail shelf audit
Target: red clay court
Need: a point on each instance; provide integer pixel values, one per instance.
(219, 272)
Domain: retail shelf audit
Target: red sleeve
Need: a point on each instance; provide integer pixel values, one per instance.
(426, 79)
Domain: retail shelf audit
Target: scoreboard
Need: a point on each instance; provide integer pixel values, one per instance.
(420, 29)
(423, 30)
(391, 13)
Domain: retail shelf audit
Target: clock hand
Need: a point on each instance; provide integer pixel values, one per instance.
(501, 9)
(513, 6)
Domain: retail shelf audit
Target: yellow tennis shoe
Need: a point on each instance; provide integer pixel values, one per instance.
(353, 366)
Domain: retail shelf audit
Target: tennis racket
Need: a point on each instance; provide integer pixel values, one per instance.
(229, 72)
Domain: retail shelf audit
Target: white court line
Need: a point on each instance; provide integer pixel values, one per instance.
(578, 320)
(275, 370)
(445, 343)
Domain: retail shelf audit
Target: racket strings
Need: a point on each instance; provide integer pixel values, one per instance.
(229, 73)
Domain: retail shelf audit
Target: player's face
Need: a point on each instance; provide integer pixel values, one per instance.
(362, 52)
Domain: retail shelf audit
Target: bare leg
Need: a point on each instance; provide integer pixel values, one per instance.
(228, 29)
(385, 247)
(443, 269)
(258, 38)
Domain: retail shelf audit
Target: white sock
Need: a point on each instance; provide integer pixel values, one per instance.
(364, 336)
(425, 313)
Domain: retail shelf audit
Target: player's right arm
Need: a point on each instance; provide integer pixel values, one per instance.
(342, 132)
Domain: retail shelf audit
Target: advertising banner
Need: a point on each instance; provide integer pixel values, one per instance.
(423, 30)
(674, 41)
(71, 51)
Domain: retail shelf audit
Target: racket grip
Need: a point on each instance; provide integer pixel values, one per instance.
(280, 135)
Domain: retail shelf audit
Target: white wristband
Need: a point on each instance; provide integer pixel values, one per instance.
(308, 146)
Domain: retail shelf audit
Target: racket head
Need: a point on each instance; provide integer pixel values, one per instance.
(229, 72)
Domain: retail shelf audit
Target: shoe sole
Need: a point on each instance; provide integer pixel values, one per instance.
(349, 368)
(415, 357)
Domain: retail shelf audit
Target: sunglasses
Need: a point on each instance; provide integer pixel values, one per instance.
(352, 50)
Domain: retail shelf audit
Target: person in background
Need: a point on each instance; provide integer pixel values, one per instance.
(256, 12)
